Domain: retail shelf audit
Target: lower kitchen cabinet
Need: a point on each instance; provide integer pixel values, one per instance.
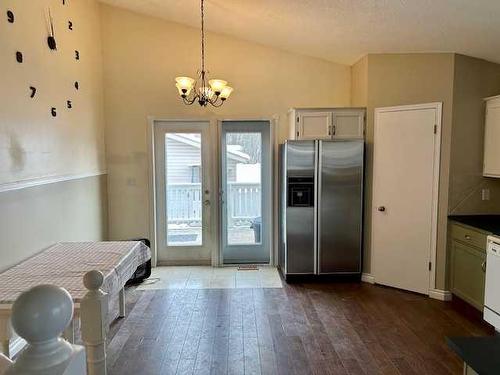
(467, 266)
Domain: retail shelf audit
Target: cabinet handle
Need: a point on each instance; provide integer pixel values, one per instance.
(483, 266)
(467, 237)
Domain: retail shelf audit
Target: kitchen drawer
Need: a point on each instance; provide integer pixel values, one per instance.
(468, 273)
(469, 236)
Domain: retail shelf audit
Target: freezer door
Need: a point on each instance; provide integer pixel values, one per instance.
(300, 222)
(300, 156)
(340, 206)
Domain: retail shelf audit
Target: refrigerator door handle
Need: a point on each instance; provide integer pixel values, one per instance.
(317, 205)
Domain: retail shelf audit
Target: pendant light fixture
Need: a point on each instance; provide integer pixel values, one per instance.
(214, 93)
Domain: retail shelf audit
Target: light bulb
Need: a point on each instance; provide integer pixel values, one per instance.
(206, 92)
(184, 85)
(226, 91)
(217, 85)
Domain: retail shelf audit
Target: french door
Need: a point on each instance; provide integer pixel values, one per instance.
(184, 183)
(245, 191)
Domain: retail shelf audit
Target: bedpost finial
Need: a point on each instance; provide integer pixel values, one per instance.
(42, 313)
(93, 280)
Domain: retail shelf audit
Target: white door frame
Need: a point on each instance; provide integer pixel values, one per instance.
(438, 106)
(273, 176)
(215, 131)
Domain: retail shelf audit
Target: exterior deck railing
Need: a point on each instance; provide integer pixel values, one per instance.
(184, 202)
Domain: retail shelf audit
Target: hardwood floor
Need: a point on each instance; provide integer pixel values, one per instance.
(340, 328)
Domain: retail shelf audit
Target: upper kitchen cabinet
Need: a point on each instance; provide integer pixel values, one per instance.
(491, 165)
(330, 123)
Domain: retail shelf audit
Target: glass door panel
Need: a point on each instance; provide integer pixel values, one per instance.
(184, 194)
(244, 189)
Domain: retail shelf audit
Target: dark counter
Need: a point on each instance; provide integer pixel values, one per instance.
(482, 354)
(488, 223)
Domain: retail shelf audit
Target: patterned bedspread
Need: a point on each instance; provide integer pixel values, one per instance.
(65, 263)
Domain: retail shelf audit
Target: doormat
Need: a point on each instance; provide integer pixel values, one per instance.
(248, 267)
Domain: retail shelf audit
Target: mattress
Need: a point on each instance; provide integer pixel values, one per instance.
(64, 264)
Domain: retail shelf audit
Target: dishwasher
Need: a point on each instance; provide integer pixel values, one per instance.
(491, 311)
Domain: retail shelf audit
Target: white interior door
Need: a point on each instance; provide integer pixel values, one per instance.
(405, 186)
(183, 182)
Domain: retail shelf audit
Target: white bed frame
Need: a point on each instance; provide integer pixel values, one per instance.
(44, 354)
(10, 347)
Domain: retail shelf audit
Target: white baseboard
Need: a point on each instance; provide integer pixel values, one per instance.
(441, 295)
(368, 278)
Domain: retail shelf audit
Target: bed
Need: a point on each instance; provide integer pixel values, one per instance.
(64, 264)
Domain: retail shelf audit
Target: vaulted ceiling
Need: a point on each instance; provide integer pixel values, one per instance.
(344, 30)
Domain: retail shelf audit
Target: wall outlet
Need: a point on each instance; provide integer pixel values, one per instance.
(485, 194)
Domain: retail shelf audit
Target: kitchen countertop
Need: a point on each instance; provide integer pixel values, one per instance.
(488, 223)
(482, 354)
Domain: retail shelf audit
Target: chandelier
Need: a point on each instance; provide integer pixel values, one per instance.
(190, 90)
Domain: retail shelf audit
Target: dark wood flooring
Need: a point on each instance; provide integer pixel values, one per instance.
(340, 328)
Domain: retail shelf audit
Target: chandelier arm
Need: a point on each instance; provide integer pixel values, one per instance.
(216, 103)
(190, 101)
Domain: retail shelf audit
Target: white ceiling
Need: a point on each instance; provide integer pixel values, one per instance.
(344, 30)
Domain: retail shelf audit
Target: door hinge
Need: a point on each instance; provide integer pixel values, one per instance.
(298, 119)
(435, 129)
(298, 134)
(430, 266)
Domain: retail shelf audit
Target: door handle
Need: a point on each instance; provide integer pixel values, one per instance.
(381, 208)
(483, 266)
(206, 202)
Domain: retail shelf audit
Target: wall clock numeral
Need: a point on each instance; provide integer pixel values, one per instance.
(53, 112)
(70, 25)
(77, 85)
(77, 55)
(19, 57)
(10, 16)
(69, 104)
(33, 91)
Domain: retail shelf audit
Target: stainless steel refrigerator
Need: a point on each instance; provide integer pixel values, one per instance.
(321, 207)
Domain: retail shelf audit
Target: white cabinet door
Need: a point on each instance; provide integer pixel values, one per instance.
(314, 125)
(491, 166)
(348, 124)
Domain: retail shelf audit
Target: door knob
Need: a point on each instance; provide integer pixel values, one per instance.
(381, 208)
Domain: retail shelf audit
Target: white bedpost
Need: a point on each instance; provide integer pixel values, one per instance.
(93, 317)
(39, 316)
(122, 303)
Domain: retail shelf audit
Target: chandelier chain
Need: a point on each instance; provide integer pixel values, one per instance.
(202, 37)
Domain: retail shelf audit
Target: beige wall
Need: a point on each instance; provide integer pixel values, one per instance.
(34, 145)
(401, 79)
(359, 83)
(475, 80)
(142, 55)
(33, 218)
